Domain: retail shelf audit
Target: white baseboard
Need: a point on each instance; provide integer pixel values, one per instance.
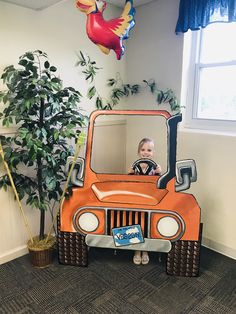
(10, 255)
(219, 248)
(212, 245)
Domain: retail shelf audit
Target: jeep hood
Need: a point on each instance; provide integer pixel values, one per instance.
(136, 193)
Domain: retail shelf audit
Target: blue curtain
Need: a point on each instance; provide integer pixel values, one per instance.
(196, 14)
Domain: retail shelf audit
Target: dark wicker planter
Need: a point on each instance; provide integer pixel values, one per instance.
(41, 258)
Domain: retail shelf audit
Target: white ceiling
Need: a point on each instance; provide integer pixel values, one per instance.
(34, 4)
(43, 4)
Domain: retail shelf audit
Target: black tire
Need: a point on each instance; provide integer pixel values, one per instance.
(72, 249)
(184, 258)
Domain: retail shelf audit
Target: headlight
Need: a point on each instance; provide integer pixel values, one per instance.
(167, 226)
(88, 222)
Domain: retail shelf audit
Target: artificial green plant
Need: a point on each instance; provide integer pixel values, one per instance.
(119, 90)
(47, 116)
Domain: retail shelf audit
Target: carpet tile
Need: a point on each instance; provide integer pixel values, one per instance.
(113, 284)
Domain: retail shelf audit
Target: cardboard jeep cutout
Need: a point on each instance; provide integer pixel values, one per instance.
(112, 209)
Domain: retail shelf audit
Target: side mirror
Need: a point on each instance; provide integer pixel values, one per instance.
(186, 173)
(77, 175)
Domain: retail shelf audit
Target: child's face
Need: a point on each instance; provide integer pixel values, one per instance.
(147, 150)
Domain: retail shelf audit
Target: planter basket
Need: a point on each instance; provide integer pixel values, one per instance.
(41, 258)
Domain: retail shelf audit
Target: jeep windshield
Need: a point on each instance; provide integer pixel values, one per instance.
(116, 138)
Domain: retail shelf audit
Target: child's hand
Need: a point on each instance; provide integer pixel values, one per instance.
(158, 170)
(131, 171)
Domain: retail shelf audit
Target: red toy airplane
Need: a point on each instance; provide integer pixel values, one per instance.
(107, 35)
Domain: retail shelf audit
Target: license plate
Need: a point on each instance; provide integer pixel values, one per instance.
(127, 235)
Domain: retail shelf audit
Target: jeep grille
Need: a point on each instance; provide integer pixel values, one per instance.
(123, 218)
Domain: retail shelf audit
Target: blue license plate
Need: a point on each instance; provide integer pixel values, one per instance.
(127, 235)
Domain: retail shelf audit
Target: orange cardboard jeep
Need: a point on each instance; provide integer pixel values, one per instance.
(101, 202)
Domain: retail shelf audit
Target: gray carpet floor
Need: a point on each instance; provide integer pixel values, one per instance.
(113, 284)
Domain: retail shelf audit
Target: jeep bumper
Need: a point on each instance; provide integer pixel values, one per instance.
(107, 242)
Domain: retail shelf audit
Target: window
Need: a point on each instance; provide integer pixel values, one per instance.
(212, 88)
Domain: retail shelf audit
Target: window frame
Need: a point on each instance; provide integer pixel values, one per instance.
(194, 43)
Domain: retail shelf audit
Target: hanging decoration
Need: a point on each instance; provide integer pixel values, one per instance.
(107, 34)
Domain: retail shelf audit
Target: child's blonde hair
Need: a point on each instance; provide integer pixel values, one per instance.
(144, 141)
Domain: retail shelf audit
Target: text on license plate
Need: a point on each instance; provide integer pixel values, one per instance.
(127, 235)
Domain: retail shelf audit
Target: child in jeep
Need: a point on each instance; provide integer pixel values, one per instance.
(145, 152)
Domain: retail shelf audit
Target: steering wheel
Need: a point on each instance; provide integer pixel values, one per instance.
(151, 165)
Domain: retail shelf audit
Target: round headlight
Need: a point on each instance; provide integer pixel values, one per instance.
(88, 222)
(167, 226)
